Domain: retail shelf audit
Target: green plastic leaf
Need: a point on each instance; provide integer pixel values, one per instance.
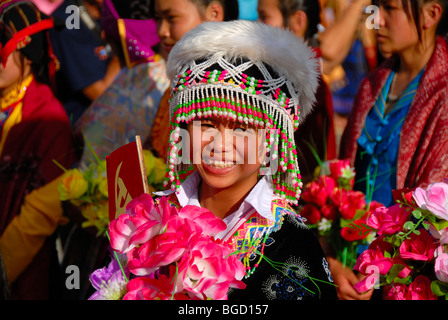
(396, 269)
(408, 225)
(417, 214)
(406, 280)
(439, 288)
(440, 225)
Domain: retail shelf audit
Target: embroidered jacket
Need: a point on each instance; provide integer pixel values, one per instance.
(283, 258)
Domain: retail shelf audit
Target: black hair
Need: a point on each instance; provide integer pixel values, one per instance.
(231, 9)
(413, 7)
(37, 49)
(134, 9)
(310, 7)
(39, 68)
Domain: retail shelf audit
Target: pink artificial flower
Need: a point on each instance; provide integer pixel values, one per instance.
(351, 234)
(210, 224)
(397, 291)
(311, 213)
(208, 269)
(144, 288)
(388, 220)
(406, 269)
(314, 193)
(373, 272)
(418, 247)
(149, 218)
(420, 289)
(374, 256)
(441, 265)
(434, 199)
(440, 235)
(373, 206)
(443, 236)
(120, 232)
(163, 249)
(317, 192)
(342, 172)
(368, 282)
(329, 211)
(141, 222)
(328, 184)
(338, 168)
(355, 200)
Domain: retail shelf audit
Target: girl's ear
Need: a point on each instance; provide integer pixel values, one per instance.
(432, 13)
(214, 12)
(298, 23)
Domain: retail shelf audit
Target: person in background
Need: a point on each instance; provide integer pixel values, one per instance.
(129, 105)
(316, 134)
(87, 66)
(35, 136)
(396, 133)
(126, 108)
(175, 18)
(347, 41)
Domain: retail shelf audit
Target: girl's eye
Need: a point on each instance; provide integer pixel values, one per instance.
(207, 125)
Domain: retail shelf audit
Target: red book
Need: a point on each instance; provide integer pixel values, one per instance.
(126, 177)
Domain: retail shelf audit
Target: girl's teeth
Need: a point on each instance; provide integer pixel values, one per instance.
(220, 164)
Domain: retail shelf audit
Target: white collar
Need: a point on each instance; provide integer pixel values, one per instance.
(260, 197)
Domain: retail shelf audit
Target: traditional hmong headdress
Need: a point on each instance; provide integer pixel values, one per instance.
(251, 73)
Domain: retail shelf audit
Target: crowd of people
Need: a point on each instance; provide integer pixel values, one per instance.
(81, 78)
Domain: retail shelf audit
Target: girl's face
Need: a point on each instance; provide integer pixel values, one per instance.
(12, 73)
(269, 13)
(397, 31)
(225, 153)
(175, 18)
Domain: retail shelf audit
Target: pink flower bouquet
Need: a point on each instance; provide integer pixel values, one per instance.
(410, 256)
(337, 211)
(171, 253)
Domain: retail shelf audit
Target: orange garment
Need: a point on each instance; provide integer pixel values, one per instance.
(40, 214)
(158, 140)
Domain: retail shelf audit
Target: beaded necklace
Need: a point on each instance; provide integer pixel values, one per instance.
(11, 107)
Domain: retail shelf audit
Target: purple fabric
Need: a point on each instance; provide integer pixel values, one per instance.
(137, 37)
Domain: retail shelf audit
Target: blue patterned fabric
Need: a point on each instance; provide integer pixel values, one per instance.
(126, 109)
(376, 158)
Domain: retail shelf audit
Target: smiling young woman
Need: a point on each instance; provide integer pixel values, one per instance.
(396, 133)
(240, 108)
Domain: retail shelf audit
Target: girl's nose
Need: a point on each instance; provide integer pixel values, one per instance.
(223, 141)
(163, 30)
